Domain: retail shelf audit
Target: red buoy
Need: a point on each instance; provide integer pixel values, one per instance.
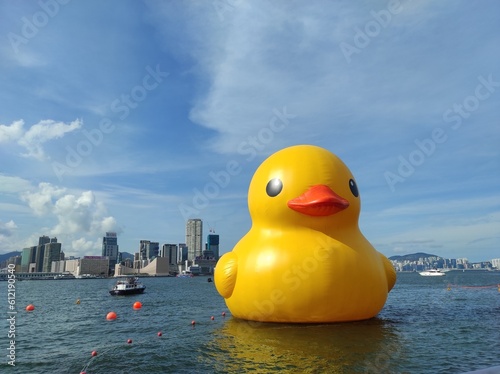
(129, 341)
(223, 314)
(212, 318)
(159, 333)
(137, 305)
(30, 308)
(94, 353)
(111, 316)
(193, 323)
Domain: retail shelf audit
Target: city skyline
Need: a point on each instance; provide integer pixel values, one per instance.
(134, 119)
(49, 248)
(32, 254)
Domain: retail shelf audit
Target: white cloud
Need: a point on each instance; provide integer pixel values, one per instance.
(42, 201)
(82, 246)
(10, 184)
(38, 134)
(42, 132)
(7, 228)
(11, 132)
(77, 215)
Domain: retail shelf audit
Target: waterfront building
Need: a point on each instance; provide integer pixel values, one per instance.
(40, 252)
(110, 248)
(212, 248)
(148, 250)
(194, 238)
(157, 267)
(52, 252)
(27, 258)
(183, 253)
(93, 265)
(170, 251)
(495, 263)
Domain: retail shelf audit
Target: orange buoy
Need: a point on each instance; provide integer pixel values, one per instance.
(94, 353)
(111, 316)
(137, 305)
(30, 308)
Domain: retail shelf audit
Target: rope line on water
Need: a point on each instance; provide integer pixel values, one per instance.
(474, 287)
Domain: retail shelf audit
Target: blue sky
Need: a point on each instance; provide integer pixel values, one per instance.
(133, 116)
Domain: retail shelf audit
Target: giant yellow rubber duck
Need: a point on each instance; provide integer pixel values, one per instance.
(304, 260)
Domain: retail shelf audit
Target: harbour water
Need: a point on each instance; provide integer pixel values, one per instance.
(447, 324)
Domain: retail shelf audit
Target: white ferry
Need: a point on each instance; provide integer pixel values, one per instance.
(128, 286)
(432, 273)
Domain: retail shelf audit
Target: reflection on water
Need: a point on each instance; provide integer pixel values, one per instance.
(371, 346)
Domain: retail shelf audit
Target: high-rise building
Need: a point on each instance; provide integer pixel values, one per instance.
(170, 252)
(495, 263)
(194, 238)
(42, 240)
(27, 258)
(153, 250)
(110, 248)
(183, 253)
(212, 248)
(52, 252)
(40, 251)
(148, 250)
(143, 245)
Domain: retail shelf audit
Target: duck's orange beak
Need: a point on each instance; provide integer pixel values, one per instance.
(318, 200)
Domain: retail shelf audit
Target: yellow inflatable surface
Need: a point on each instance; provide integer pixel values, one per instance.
(304, 259)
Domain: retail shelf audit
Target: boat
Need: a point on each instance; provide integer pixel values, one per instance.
(185, 274)
(128, 286)
(432, 273)
(64, 276)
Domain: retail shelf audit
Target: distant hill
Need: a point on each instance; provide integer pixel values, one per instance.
(412, 257)
(6, 256)
(126, 255)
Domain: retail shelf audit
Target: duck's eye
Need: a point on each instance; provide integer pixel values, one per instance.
(353, 187)
(274, 187)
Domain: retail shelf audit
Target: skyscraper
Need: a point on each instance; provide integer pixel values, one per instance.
(170, 251)
(27, 257)
(148, 250)
(52, 252)
(194, 235)
(40, 251)
(212, 250)
(110, 248)
(183, 253)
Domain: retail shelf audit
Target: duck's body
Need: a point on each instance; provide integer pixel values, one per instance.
(304, 259)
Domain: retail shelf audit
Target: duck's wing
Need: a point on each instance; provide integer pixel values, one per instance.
(389, 271)
(225, 274)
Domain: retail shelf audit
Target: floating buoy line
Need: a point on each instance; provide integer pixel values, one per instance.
(97, 352)
(450, 286)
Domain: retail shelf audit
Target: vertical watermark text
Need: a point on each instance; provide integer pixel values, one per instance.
(11, 313)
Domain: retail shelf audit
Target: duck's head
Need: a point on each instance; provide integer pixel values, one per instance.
(304, 185)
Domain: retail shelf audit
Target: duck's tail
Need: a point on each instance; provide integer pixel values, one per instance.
(389, 271)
